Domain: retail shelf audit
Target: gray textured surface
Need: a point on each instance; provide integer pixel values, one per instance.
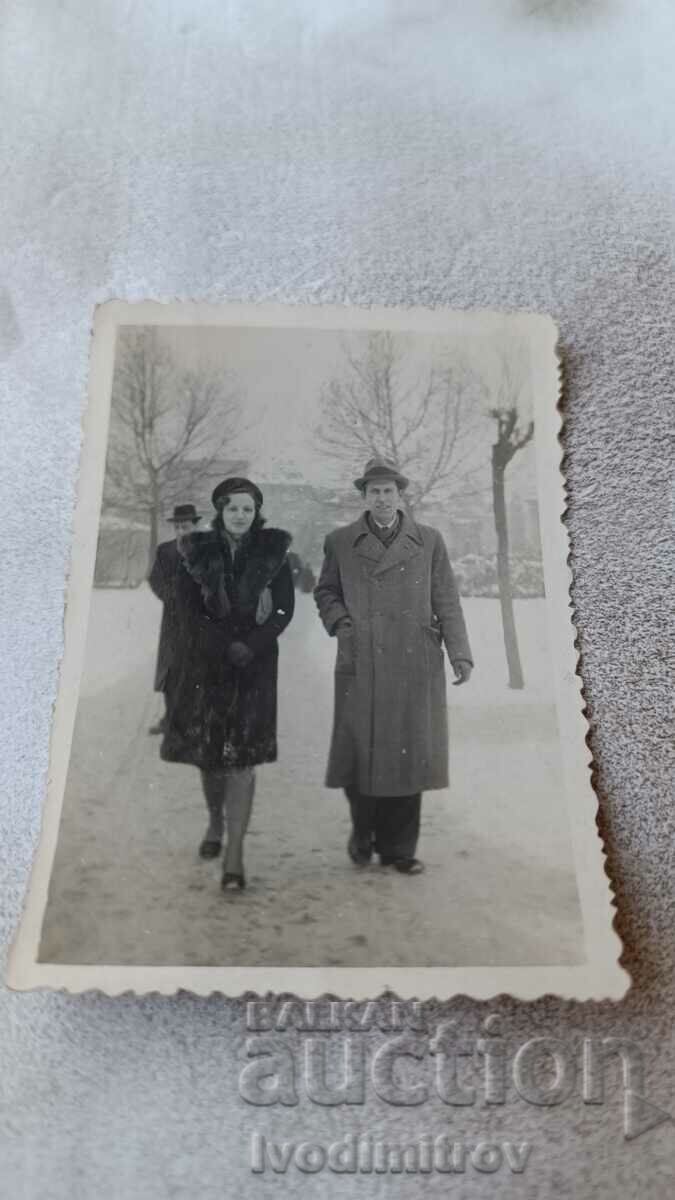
(510, 153)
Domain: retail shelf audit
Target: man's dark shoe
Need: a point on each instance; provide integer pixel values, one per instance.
(408, 866)
(210, 847)
(358, 855)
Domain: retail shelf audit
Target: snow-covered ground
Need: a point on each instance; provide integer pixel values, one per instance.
(124, 624)
(128, 886)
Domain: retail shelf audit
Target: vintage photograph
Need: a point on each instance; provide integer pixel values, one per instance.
(319, 722)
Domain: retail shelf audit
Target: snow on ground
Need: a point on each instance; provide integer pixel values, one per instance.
(128, 886)
(124, 624)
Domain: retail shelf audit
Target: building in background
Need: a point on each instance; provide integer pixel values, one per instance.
(309, 513)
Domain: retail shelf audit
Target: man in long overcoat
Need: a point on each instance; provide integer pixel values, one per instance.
(387, 592)
(162, 580)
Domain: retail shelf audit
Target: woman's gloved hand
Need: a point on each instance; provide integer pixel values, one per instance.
(239, 654)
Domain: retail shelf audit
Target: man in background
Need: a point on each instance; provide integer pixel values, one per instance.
(162, 580)
(387, 592)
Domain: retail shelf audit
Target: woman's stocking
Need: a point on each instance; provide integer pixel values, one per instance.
(239, 790)
(213, 786)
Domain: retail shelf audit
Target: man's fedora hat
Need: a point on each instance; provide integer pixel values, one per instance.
(236, 484)
(381, 468)
(184, 512)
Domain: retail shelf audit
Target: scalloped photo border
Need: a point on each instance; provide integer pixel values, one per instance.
(601, 975)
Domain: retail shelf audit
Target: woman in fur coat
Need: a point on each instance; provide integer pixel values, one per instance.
(234, 597)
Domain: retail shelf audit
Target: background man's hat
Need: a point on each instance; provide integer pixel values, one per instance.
(381, 468)
(236, 484)
(184, 512)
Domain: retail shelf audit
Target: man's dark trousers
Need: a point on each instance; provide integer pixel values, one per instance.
(389, 825)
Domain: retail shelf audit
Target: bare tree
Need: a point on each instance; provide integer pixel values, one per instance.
(425, 421)
(168, 425)
(511, 437)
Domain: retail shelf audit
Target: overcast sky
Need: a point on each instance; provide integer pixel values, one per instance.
(280, 373)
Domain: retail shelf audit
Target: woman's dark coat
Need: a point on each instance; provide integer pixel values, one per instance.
(219, 715)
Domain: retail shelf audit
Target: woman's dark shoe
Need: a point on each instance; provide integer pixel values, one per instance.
(210, 848)
(358, 855)
(232, 882)
(408, 866)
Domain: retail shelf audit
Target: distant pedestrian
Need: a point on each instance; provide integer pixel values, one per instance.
(234, 598)
(303, 576)
(387, 592)
(162, 580)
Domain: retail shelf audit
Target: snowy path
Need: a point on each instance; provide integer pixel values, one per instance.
(129, 888)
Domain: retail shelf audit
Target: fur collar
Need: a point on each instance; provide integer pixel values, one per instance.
(209, 563)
